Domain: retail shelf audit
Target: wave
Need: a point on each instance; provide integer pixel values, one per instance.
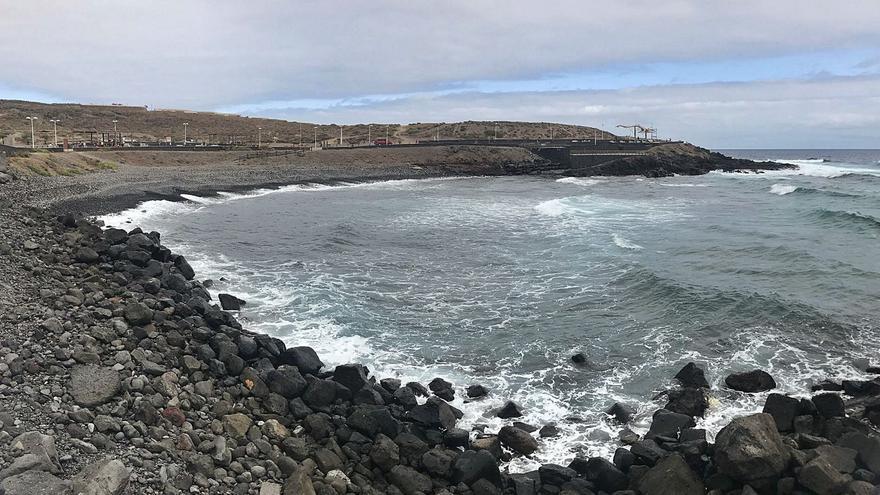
(624, 243)
(154, 209)
(782, 189)
(579, 181)
(812, 168)
(848, 219)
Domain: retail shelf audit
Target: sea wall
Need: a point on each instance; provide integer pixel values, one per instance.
(118, 366)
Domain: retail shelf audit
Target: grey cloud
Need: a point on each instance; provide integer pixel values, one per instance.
(205, 54)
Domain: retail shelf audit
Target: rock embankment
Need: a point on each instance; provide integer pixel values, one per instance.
(677, 159)
(119, 374)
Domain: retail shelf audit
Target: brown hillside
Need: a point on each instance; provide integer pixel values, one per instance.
(140, 123)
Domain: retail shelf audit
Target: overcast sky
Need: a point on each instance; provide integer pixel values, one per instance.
(749, 73)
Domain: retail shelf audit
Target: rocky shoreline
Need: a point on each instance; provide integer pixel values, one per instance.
(121, 373)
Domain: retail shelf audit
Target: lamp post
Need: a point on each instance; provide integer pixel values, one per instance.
(185, 125)
(386, 135)
(496, 131)
(115, 133)
(316, 139)
(259, 137)
(369, 134)
(33, 142)
(340, 135)
(55, 129)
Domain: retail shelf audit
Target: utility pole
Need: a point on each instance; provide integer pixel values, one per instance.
(259, 137)
(594, 136)
(496, 131)
(55, 129)
(300, 134)
(386, 134)
(340, 135)
(369, 134)
(33, 142)
(115, 133)
(185, 125)
(316, 139)
(552, 128)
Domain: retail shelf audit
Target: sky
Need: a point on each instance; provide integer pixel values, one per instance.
(722, 74)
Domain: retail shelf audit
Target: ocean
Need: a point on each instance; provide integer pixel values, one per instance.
(499, 281)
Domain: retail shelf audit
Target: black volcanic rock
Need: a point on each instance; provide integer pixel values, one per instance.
(751, 381)
(692, 375)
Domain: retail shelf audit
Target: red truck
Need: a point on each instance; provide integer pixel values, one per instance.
(382, 142)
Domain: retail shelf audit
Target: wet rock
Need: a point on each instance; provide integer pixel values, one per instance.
(548, 431)
(829, 405)
(621, 412)
(488, 443)
(35, 483)
(433, 413)
(671, 476)
(579, 358)
(352, 376)
(689, 400)
(750, 448)
(692, 375)
(556, 475)
(509, 410)
(842, 459)
(783, 409)
(92, 385)
(104, 477)
(442, 389)
(438, 461)
(751, 381)
(647, 452)
(184, 267)
(229, 302)
(390, 384)
(456, 437)
(477, 391)
(605, 475)
(667, 423)
(517, 440)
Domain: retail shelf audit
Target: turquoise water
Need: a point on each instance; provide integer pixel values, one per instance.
(500, 280)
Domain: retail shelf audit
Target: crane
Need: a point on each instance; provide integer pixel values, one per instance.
(648, 130)
(634, 127)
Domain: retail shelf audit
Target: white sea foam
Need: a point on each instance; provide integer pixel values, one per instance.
(151, 211)
(782, 189)
(552, 208)
(813, 168)
(578, 181)
(684, 184)
(622, 242)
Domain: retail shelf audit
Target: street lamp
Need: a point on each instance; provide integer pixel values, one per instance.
(316, 139)
(259, 137)
(55, 129)
(33, 142)
(185, 124)
(369, 134)
(496, 130)
(115, 133)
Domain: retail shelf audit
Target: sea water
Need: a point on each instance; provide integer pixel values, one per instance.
(499, 281)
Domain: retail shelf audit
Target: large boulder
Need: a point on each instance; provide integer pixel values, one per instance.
(751, 381)
(509, 410)
(385, 453)
(667, 423)
(670, 476)
(104, 477)
(35, 483)
(783, 409)
(138, 313)
(868, 449)
(829, 405)
(352, 376)
(91, 385)
(750, 448)
(229, 302)
(304, 358)
(821, 477)
(473, 465)
(517, 440)
(692, 375)
(435, 413)
(410, 481)
(691, 401)
(286, 381)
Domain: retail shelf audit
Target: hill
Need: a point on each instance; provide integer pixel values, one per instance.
(86, 122)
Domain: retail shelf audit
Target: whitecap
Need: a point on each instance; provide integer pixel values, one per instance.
(579, 181)
(782, 189)
(552, 208)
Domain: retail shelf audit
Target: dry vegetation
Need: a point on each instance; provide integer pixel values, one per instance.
(54, 164)
(155, 125)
